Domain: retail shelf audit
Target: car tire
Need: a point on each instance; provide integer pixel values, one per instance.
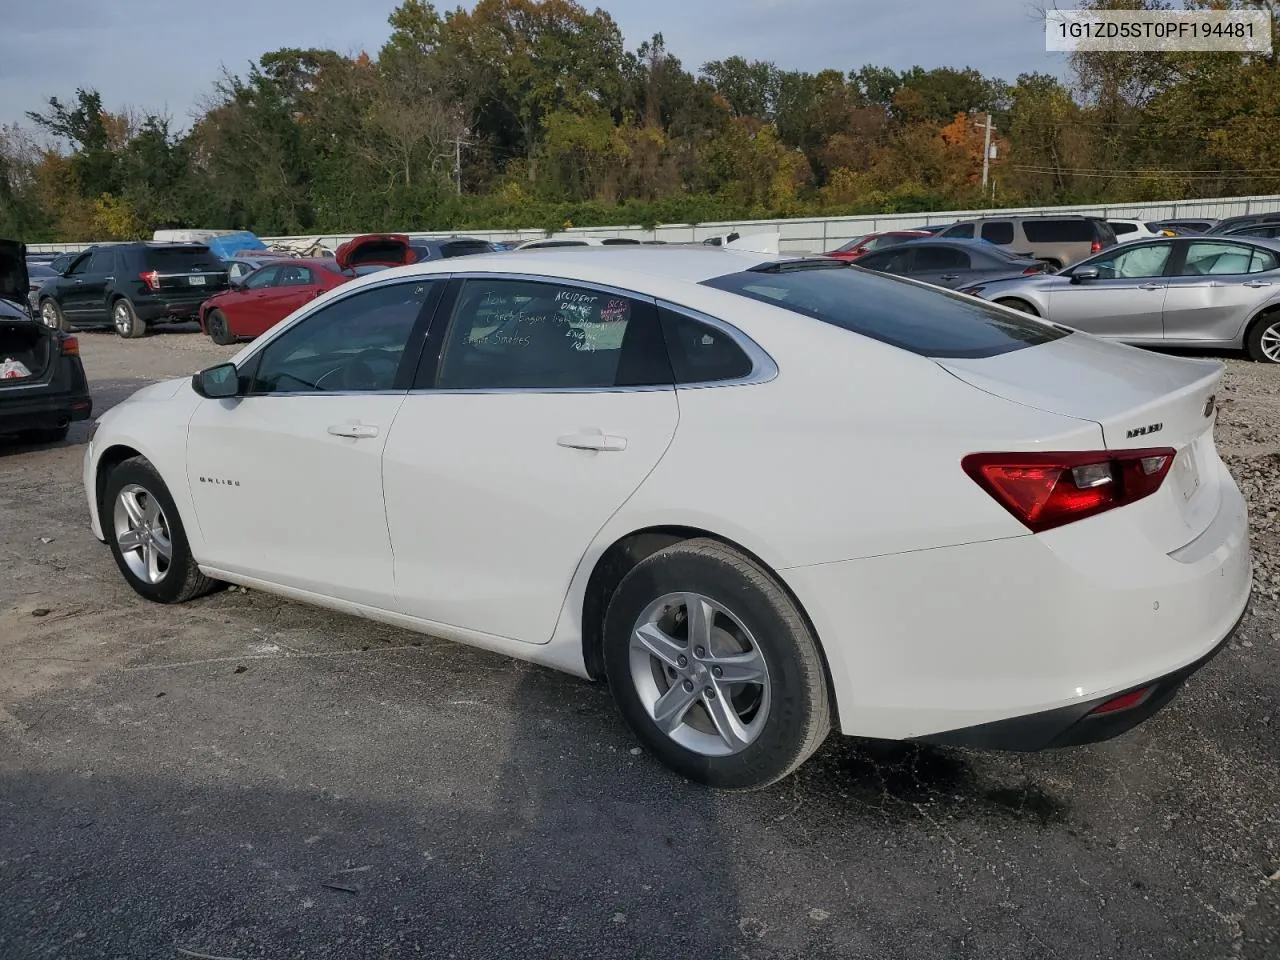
(730, 735)
(219, 332)
(1013, 303)
(136, 499)
(51, 314)
(126, 321)
(1262, 342)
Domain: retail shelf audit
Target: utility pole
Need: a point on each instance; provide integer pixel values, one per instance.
(986, 155)
(458, 144)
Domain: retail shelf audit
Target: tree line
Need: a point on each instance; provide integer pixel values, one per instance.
(532, 113)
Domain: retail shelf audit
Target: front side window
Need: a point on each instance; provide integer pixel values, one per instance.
(292, 276)
(352, 344)
(518, 334)
(887, 261)
(963, 231)
(1148, 260)
(80, 266)
(929, 259)
(919, 319)
(1122, 228)
(266, 277)
(1217, 259)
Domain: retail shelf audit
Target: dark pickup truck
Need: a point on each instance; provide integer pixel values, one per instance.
(131, 286)
(42, 382)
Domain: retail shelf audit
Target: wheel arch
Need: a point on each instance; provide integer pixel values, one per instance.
(108, 460)
(1267, 310)
(628, 550)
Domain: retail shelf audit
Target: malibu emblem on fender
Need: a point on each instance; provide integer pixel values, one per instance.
(220, 483)
(1143, 431)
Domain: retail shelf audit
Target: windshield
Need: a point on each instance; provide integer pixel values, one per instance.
(889, 309)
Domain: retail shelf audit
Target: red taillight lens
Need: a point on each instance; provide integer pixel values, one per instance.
(70, 347)
(151, 279)
(1095, 247)
(1047, 490)
(1030, 270)
(1123, 702)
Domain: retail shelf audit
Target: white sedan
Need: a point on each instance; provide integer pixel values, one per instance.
(763, 497)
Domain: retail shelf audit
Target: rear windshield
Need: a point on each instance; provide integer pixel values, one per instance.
(181, 259)
(1058, 231)
(464, 248)
(885, 308)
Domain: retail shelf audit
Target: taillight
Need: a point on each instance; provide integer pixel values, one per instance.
(151, 279)
(1038, 268)
(1095, 247)
(1047, 490)
(70, 347)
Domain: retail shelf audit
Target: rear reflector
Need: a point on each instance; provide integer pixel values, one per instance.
(1047, 490)
(70, 347)
(1123, 702)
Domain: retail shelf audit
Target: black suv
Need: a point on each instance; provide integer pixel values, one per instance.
(131, 286)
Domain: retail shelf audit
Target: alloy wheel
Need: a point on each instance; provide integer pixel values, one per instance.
(49, 315)
(122, 319)
(1270, 342)
(700, 674)
(142, 533)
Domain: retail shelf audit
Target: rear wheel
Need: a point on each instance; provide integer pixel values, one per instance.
(51, 315)
(714, 668)
(219, 330)
(1015, 304)
(126, 321)
(1263, 339)
(146, 535)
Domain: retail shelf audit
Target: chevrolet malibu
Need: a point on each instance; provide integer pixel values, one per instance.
(762, 497)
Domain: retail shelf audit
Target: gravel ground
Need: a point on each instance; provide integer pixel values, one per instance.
(245, 777)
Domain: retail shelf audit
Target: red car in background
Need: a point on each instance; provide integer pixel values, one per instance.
(276, 289)
(859, 246)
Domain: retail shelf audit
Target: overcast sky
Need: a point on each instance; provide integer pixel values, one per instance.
(163, 55)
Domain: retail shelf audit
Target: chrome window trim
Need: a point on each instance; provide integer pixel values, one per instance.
(763, 366)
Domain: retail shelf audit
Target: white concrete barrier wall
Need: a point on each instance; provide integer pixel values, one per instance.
(818, 234)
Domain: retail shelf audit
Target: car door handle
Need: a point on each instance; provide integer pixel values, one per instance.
(592, 441)
(356, 431)
(1151, 286)
(950, 276)
(1257, 283)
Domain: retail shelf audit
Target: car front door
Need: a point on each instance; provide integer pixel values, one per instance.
(245, 310)
(1215, 286)
(294, 286)
(1125, 300)
(71, 291)
(91, 286)
(287, 479)
(548, 405)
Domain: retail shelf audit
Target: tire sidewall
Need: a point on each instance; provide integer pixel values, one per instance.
(774, 752)
(144, 475)
(219, 329)
(59, 318)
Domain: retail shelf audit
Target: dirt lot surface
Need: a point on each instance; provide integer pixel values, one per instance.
(244, 777)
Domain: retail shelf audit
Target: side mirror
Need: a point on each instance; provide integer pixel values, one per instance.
(217, 383)
(1084, 273)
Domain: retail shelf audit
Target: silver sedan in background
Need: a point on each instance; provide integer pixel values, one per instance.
(1184, 291)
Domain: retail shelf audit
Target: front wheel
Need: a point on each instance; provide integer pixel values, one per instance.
(146, 535)
(51, 315)
(1263, 341)
(126, 320)
(714, 668)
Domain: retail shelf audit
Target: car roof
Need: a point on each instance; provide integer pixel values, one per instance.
(690, 263)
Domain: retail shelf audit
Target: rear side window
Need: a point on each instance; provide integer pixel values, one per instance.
(962, 231)
(701, 353)
(1123, 228)
(1058, 231)
(998, 232)
(181, 259)
(893, 311)
(940, 258)
(615, 241)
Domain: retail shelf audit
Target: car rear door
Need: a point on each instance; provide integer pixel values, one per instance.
(939, 264)
(549, 404)
(293, 286)
(1216, 287)
(1127, 298)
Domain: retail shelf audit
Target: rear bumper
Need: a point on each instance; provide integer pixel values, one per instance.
(1031, 630)
(156, 310)
(1077, 724)
(47, 411)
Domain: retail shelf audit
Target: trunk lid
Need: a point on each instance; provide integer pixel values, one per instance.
(1139, 400)
(184, 272)
(14, 281)
(375, 249)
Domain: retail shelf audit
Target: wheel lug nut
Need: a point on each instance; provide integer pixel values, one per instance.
(717, 671)
(688, 686)
(709, 693)
(700, 652)
(683, 661)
